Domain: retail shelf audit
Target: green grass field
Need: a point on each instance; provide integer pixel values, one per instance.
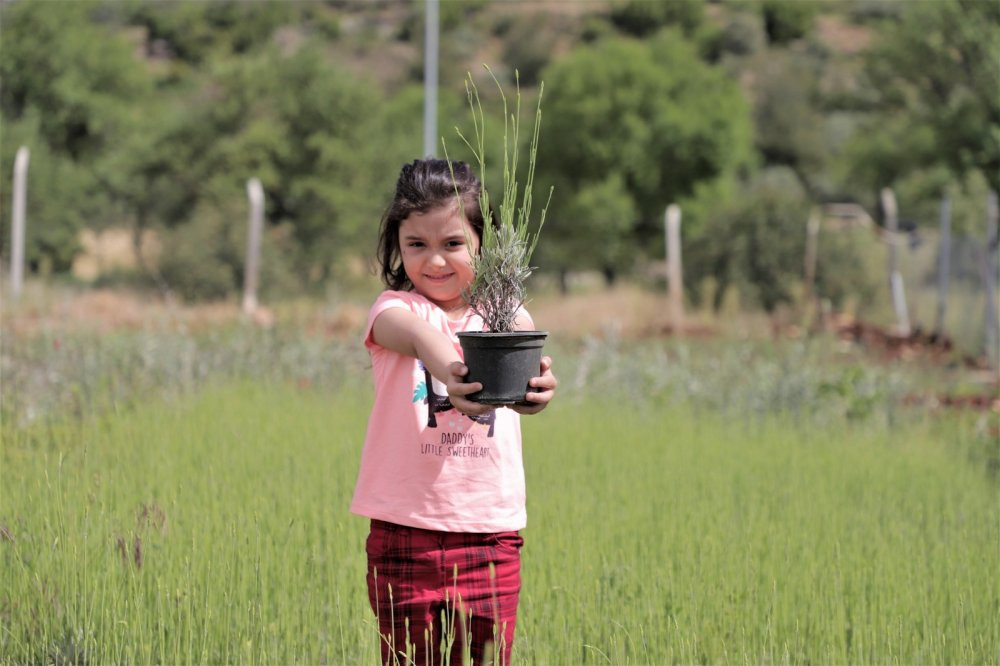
(212, 527)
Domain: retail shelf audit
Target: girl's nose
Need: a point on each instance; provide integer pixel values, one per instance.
(437, 260)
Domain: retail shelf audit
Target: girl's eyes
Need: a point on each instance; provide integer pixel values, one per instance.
(450, 244)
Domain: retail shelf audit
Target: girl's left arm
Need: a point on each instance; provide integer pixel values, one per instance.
(544, 385)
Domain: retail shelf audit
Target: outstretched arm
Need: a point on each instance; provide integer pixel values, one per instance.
(404, 332)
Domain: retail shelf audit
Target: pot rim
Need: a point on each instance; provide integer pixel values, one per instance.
(510, 334)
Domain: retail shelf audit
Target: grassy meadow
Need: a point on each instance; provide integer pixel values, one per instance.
(173, 493)
(174, 498)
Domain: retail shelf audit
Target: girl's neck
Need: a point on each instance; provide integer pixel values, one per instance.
(453, 310)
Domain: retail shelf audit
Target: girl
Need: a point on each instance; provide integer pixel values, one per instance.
(441, 476)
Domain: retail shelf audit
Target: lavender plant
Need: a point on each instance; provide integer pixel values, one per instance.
(503, 264)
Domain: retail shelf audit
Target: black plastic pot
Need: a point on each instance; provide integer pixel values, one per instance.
(503, 363)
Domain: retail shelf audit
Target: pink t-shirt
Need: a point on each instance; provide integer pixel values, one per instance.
(424, 463)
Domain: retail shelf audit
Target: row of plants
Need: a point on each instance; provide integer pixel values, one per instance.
(51, 377)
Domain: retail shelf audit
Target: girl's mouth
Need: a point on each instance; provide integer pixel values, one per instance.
(438, 278)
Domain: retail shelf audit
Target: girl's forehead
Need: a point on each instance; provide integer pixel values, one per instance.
(443, 219)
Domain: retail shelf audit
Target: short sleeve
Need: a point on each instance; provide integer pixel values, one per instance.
(385, 301)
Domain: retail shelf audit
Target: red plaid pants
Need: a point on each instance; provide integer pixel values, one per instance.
(437, 593)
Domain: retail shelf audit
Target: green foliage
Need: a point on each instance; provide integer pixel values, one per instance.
(788, 118)
(849, 268)
(742, 35)
(936, 69)
(62, 197)
(198, 31)
(76, 74)
(787, 20)
(753, 239)
(528, 47)
(68, 87)
(596, 223)
(154, 114)
(652, 115)
(199, 258)
(305, 143)
(203, 259)
(642, 17)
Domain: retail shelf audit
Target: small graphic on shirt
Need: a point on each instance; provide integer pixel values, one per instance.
(435, 395)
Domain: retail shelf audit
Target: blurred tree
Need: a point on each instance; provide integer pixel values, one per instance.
(528, 47)
(62, 199)
(642, 18)
(788, 20)
(647, 120)
(749, 235)
(594, 230)
(70, 85)
(787, 112)
(934, 73)
(293, 121)
(742, 34)
(197, 31)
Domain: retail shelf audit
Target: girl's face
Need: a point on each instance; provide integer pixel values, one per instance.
(437, 256)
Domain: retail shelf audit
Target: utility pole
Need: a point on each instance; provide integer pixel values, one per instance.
(430, 78)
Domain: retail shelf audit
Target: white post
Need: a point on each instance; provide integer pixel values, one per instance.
(990, 280)
(674, 269)
(944, 265)
(255, 193)
(895, 277)
(812, 240)
(18, 222)
(430, 77)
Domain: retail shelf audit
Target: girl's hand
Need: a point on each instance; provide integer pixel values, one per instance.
(458, 389)
(547, 383)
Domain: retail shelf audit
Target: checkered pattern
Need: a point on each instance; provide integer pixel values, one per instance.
(430, 589)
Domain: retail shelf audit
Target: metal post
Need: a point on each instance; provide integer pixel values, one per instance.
(990, 280)
(255, 193)
(895, 278)
(674, 269)
(430, 78)
(18, 222)
(944, 265)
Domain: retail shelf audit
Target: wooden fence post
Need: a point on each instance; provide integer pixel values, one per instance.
(674, 268)
(895, 278)
(944, 266)
(812, 240)
(990, 280)
(18, 206)
(255, 193)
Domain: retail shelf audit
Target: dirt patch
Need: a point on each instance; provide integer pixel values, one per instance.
(625, 312)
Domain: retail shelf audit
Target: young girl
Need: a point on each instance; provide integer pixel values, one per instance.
(441, 476)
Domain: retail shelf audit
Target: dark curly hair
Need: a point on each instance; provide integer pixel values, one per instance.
(424, 185)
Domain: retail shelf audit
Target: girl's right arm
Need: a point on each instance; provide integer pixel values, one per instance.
(405, 333)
